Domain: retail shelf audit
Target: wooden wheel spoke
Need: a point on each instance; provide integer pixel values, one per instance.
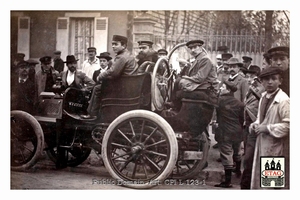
(124, 136)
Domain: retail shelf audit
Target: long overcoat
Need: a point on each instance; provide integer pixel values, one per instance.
(276, 142)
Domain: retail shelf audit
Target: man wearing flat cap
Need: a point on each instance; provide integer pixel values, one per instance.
(146, 55)
(228, 133)
(124, 63)
(272, 126)
(45, 78)
(200, 77)
(162, 52)
(246, 61)
(74, 78)
(32, 64)
(280, 57)
(250, 115)
(58, 62)
(92, 63)
(22, 89)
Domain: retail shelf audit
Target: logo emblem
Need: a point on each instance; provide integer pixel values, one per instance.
(272, 172)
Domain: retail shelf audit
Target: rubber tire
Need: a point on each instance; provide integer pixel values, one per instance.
(38, 132)
(153, 117)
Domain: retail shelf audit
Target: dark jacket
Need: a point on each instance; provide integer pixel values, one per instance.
(230, 118)
(59, 65)
(285, 86)
(152, 56)
(22, 95)
(80, 80)
(123, 64)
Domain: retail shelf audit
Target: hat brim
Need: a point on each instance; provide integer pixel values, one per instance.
(70, 61)
(105, 57)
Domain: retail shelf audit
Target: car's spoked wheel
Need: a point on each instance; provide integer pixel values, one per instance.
(139, 149)
(27, 140)
(192, 158)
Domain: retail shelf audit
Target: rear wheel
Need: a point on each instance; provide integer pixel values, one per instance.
(27, 140)
(139, 149)
(191, 160)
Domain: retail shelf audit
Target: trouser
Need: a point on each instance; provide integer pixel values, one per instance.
(95, 101)
(230, 152)
(248, 160)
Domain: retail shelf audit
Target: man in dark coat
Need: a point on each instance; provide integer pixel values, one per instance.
(250, 115)
(229, 131)
(46, 77)
(201, 77)
(22, 89)
(146, 52)
(58, 62)
(123, 64)
(105, 64)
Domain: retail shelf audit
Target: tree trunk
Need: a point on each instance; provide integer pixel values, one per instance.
(268, 28)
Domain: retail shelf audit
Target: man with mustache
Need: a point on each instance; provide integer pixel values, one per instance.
(74, 78)
(22, 89)
(46, 77)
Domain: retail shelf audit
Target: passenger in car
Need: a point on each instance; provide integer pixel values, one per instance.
(123, 64)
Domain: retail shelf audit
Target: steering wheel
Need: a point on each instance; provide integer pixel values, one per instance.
(161, 84)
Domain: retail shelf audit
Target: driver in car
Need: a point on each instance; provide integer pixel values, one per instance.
(200, 81)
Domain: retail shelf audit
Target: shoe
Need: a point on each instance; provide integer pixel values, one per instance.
(219, 160)
(224, 185)
(237, 173)
(216, 146)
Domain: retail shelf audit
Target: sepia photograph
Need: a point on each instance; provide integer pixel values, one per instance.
(149, 99)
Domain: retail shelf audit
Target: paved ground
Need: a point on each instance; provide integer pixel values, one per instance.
(213, 174)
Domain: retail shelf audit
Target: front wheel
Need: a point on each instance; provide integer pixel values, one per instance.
(139, 149)
(26, 139)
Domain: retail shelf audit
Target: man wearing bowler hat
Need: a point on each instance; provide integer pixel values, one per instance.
(123, 64)
(92, 63)
(234, 76)
(46, 77)
(280, 57)
(105, 63)
(74, 78)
